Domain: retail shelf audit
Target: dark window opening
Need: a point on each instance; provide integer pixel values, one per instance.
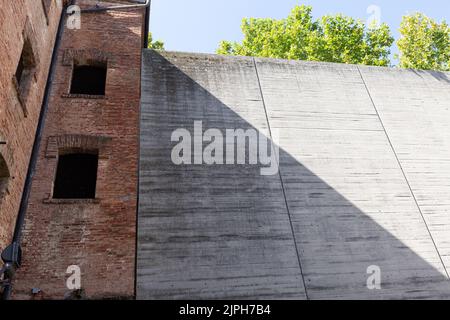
(25, 64)
(76, 176)
(89, 79)
(4, 176)
(19, 71)
(46, 7)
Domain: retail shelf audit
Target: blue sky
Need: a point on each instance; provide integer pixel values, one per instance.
(199, 25)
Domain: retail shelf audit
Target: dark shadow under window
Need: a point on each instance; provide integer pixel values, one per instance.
(76, 176)
(89, 79)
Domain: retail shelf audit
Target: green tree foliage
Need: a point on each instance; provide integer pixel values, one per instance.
(155, 45)
(424, 43)
(333, 38)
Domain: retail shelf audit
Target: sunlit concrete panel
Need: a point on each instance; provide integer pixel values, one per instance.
(414, 107)
(350, 204)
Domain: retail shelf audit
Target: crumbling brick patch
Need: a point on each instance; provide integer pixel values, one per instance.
(85, 56)
(77, 141)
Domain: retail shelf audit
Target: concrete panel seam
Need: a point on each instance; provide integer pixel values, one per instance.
(403, 172)
(281, 181)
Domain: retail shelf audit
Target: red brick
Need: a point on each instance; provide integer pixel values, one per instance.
(20, 19)
(99, 236)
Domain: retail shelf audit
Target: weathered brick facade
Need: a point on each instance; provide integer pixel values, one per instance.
(32, 26)
(98, 235)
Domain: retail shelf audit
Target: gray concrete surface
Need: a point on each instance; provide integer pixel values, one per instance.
(363, 180)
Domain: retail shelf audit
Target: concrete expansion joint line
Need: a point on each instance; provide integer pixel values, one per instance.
(403, 171)
(281, 181)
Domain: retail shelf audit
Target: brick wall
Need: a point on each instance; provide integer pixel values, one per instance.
(98, 235)
(21, 21)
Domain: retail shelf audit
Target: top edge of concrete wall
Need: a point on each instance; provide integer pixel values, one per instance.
(215, 57)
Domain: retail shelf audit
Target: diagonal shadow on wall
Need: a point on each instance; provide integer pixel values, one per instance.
(226, 232)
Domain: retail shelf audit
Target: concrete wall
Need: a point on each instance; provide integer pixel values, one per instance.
(364, 165)
(98, 235)
(36, 22)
